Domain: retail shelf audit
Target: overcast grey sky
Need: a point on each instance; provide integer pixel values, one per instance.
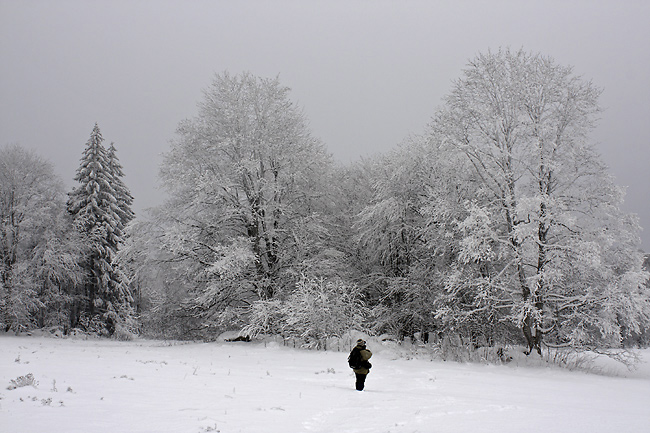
(367, 73)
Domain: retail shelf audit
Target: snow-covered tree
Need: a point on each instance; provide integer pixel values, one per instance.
(244, 174)
(387, 235)
(544, 234)
(31, 196)
(97, 214)
(56, 273)
(315, 311)
(122, 194)
(387, 228)
(158, 280)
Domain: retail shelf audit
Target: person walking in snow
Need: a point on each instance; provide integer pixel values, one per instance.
(358, 361)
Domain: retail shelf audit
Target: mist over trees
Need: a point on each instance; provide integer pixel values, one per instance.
(498, 224)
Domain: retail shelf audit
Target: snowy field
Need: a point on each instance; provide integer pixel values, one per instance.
(95, 385)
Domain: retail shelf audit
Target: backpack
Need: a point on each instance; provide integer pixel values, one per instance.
(354, 360)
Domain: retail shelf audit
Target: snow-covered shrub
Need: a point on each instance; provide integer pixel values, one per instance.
(126, 329)
(266, 317)
(17, 305)
(316, 310)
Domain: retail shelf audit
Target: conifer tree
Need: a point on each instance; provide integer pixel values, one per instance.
(96, 212)
(122, 193)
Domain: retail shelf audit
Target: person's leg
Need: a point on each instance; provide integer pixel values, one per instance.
(361, 379)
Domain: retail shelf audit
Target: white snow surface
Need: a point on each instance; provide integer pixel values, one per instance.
(98, 385)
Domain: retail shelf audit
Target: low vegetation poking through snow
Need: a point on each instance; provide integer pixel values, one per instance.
(97, 385)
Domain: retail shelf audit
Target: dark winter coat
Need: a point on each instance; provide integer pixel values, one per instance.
(365, 356)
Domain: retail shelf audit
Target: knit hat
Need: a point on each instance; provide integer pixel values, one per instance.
(360, 342)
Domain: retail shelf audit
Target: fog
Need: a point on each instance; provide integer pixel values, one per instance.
(367, 73)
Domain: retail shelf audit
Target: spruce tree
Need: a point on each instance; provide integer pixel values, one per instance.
(122, 193)
(95, 209)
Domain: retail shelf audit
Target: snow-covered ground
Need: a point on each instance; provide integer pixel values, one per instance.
(96, 385)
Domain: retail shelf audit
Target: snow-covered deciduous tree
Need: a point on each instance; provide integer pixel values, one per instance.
(545, 234)
(403, 230)
(244, 172)
(98, 212)
(30, 199)
(57, 274)
(159, 281)
(387, 228)
(387, 233)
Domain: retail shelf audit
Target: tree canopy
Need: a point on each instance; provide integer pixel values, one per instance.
(246, 179)
(30, 201)
(542, 238)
